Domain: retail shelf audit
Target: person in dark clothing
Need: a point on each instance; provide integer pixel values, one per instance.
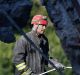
(26, 59)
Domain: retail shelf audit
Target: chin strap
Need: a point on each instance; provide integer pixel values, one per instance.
(54, 70)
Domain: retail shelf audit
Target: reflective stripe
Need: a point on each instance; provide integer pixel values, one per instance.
(34, 21)
(21, 66)
(28, 72)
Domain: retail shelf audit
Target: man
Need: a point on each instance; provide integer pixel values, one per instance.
(26, 59)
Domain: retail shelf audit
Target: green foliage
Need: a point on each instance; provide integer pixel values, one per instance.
(6, 58)
(56, 50)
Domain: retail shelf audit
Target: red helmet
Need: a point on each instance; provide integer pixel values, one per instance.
(39, 19)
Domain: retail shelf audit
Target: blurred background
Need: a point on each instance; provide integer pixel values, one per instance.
(56, 51)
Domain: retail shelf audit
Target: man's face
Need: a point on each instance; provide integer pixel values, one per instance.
(41, 29)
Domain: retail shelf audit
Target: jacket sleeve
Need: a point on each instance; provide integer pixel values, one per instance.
(19, 54)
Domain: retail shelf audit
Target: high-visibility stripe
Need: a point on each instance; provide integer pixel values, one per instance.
(28, 72)
(34, 21)
(21, 66)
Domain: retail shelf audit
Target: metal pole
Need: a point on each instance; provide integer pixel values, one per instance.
(53, 70)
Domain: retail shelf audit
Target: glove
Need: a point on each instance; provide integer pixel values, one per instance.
(28, 72)
(57, 64)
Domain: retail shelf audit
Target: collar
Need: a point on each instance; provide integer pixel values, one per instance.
(36, 35)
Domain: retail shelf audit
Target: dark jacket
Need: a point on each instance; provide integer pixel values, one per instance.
(25, 52)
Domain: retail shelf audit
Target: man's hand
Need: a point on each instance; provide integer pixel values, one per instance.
(28, 72)
(57, 64)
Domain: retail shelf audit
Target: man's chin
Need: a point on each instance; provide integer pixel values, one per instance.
(42, 33)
